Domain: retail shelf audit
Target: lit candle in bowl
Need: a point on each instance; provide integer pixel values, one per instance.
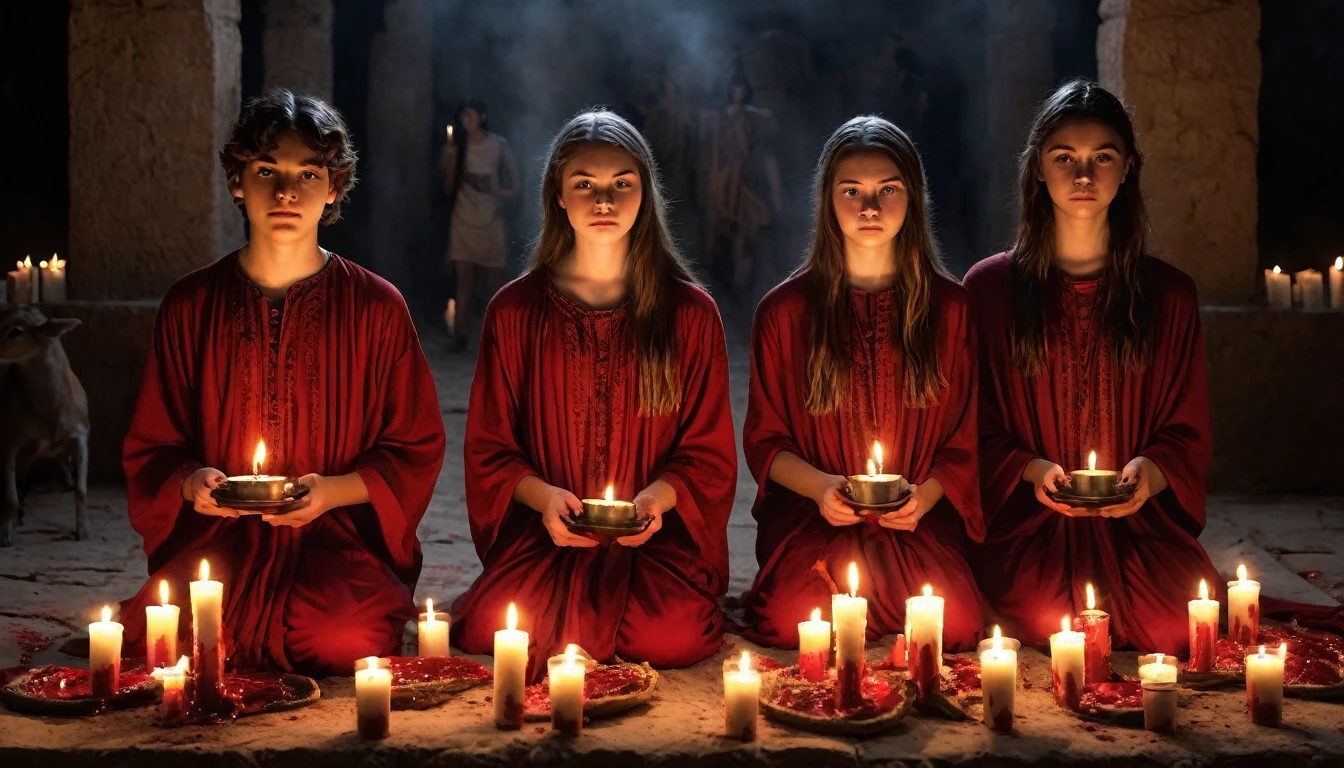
(850, 615)
(105, 655)
(1092, 481)
(608, 510)
(207, 644)
(433, 633)
(161, 630)
(814, 647)
(741, 698)
(998, 683)
(1264, 686)
(1203, 630)
(924, 639)
(1096, 628)
(1337, 283)
(1067, 668)
(51, 275)
(1278, 289)
(510, 673)
(173, 705)
(566, 674)
(1243, 609)
(257, 486)
(373, 698)
(1154, 668)
(876, 486)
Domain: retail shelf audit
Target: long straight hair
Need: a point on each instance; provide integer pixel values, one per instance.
(655, 263)
(1127, 295)
(918, 265)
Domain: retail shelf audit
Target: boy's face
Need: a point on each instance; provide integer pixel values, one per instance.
(285, 192)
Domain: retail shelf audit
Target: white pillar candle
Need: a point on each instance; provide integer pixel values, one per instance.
(566, 674)
(510, 673)
(998, 684)
(1068, 670)
(105, 655)
(1243, 609)
(849, 614)
(51, 276)
(741, 698)
(1096, 629)
(1159, 706)
(433, 632)
(1158, 670)
(1337, 283)
(1278, 289)
(21, 284)
(1203, 630)
(207, 644)
(1264, 686)
(1312, 289)
(161, 623)
(814, 647)
(924, 639)
(373, 698)
(173, 705)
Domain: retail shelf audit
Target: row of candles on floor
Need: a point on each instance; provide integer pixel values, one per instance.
(29, 284)
(1305, 288)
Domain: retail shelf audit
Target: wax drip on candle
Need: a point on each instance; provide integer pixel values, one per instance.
(205, 570)
(259, 458)
(163, 591)
(1091, 599)
(1203, 590)
(997, 643)
(511, 619)
(853, 580)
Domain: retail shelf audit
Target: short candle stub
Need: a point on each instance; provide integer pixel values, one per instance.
(608, 511)
(1099, 483)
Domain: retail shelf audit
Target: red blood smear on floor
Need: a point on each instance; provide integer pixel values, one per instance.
(63, 683)
(600, 683)
(30, 642)
(407, 670)
(1124, 695)
(819, 699)
(965, 673)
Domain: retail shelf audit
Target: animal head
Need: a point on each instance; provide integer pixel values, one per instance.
(25, 331)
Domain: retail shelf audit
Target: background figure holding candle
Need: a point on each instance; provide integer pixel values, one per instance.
(604, 365)
(893, 362)
(284, 341)
(480, 173)
(1088, 343)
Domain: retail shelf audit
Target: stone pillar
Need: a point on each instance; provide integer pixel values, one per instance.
(296, 46)
(400, 157)
(1191, 70)
(153, 90)
(1020, 71)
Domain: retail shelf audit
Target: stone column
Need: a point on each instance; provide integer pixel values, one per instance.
(153, 90)
(400, 157)
(296, 46)
(1191, 70)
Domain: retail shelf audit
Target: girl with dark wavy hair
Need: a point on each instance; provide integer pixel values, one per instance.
(1090, 344)
(869, 341)
(603, 366)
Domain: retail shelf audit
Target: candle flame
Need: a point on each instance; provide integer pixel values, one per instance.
(182, 664)
(1064, 625)
(369, 662)
(1091, 598)
(998, 639)
(1241, 572)
(853, 580)
(745, 664)
(27, 262)
(877, 456)
(107, 613)
(1339, 263)
(816, 614)
(429, 611)
(163, 591)
(1092, 460)
(205, 570)
(56, 263)
(1160, 657)
(571, 651)
(259, 457)
(1203, 590)
(610, 494)
(511, 621)
(872, 467)
(180, 668)
(1277, 271)
(1262, 650)
(42, 264)
(928, 590)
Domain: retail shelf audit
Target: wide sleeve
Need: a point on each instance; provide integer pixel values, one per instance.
(161, 447)
(702, 463)
(401, 465)
(491, 449)
(767, 430)
(956, 459)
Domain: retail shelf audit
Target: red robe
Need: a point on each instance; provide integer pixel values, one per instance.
(1035, 563)
(336, 382)
(555, 395)
(936, 442)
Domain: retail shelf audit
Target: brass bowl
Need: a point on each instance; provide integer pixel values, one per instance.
(1093, 483)
(876, 489)
(605, 513)
(256, 488)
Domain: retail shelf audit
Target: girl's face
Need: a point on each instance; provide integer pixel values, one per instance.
(601, 191)
(1083, 164)
(471, 120)
(869, 198)
(285, 192)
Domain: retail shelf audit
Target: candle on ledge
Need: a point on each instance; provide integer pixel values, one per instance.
(1067, 668)
(814, 647)
(373, 698)
(161, 630)
(849, 613)
(1337, 283)
(433, 633)
(1203, 630)
(1264, 686)
(51, 276)
(998, 683)
(173, 705)
(1311, 288)
(105, 655)
(566, 691)
(741, 698)
(1158, 670)
(1159, 706)
(1243, 609)
(1278, 289)
(207, 640)
(924, 639)
(1096, 628)
(510, 673)
(21, 284)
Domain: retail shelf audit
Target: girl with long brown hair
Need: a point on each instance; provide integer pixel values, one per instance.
(870, 341)
(1090, 344)
(603, 366)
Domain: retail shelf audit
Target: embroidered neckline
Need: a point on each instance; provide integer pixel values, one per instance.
(301, 285)
(574, 307)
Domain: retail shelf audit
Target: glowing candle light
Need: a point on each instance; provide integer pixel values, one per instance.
(924, 639)
(1264, 686)
(105, 655)
(814, 647)
(850, 616)
(207, 647)
(373, 698)
(433, 632)
(1310, 288)
(1068, 670)
(21, 285)
(1278, 289)
(1157, 671)
(1337, 283)
(510, 672)
(998, 684)
(161, 623)
(566, 675)
(1243, 609)
(741, 698)
(1096, 629)
(173, 705)
(51, 277)
(1203, 630)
